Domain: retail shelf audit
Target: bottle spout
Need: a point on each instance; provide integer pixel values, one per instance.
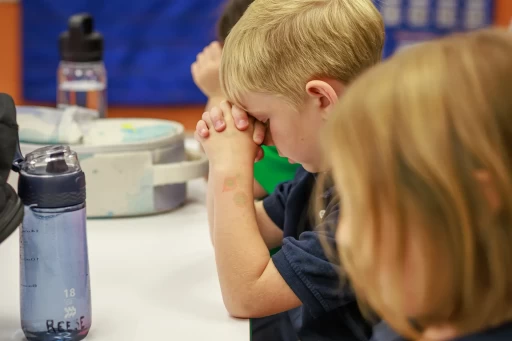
(57, 163)
(80, 25)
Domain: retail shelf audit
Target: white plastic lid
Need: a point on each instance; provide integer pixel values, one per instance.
(118, 134)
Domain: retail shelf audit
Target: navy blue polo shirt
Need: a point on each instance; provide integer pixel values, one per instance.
(329, 310)
(501, 333)
(383, 332)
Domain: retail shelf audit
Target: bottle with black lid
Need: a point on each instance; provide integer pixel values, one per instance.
(81, 76)
(55, 292)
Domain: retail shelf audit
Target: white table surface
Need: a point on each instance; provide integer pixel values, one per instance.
(152, 278)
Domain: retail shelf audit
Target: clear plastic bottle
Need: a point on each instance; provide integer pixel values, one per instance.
(81, 76)
(54, 267)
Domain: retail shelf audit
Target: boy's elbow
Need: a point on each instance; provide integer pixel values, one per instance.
(239, 313)
(241, 308)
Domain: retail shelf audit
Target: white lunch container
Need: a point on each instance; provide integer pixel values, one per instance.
(134, 166)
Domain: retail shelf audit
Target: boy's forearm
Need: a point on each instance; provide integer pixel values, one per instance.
(240, 252)
(210, 205)
(212, 101)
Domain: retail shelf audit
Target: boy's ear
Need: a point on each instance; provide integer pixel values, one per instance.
(324, 93)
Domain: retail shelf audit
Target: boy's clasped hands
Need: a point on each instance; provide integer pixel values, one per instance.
(230, 137)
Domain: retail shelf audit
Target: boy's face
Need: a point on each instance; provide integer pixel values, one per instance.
(295, 133)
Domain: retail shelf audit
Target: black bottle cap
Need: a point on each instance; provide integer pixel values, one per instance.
(57, 164)
(80, 43)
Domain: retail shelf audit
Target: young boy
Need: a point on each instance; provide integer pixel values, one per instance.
(285, 63)
(272, 169)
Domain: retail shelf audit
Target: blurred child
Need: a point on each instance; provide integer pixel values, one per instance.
(272, 169)
(424, 168)
(285, 63)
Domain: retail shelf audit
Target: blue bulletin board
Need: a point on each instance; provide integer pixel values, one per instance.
(413, 21)
(150, 44)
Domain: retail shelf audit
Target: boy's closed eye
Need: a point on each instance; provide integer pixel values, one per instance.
(258, 117)
(261, 118)
(264, 121)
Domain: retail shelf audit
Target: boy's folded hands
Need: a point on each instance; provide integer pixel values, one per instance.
(230, 137)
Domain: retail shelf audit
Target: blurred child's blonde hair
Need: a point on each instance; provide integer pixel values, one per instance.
(279, 45)
(407, 144)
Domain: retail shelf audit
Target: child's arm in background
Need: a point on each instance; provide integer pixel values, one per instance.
(212, 102)
(205, 72)
(259, 191)
(248, 277)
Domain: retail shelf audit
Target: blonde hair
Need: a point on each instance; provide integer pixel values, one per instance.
(405, 145)
(278, 46)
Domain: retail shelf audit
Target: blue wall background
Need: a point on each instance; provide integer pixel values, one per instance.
(150, 44)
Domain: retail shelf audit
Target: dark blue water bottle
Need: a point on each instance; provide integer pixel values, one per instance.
(55, 286)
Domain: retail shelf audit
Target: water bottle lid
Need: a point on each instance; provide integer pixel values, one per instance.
(80, 43)
(51, 177)
(51, 160)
